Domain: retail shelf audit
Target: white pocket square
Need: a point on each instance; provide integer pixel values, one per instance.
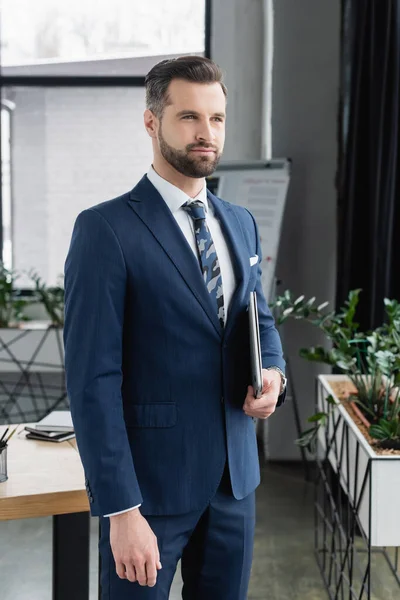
(253, 260)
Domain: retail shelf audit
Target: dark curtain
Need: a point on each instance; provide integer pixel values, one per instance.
(368, 160)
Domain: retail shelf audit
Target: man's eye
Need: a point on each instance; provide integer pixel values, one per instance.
(189, 117)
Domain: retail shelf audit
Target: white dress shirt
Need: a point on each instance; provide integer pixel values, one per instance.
(174, 199)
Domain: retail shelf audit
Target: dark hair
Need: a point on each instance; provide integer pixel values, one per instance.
(191, 68)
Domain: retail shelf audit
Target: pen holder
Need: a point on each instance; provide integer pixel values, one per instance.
(3, 463)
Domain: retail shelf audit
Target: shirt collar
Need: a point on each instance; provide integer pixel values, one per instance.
(172, 195)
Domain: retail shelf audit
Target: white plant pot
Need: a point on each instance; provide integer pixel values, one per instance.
(379, 509)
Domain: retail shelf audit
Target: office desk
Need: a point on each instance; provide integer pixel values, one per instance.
(47, 479)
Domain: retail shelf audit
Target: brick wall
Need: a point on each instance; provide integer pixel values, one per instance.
(71, 148)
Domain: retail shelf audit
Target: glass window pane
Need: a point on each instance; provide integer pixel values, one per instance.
(75, 37)
(70, 148)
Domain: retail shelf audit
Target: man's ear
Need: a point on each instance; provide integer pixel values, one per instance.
(150, 123)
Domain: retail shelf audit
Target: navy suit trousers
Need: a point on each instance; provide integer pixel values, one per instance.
(215, 547)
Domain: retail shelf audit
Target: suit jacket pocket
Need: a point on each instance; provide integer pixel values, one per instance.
(162, 414)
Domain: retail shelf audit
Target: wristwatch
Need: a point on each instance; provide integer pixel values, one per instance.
(283, 377)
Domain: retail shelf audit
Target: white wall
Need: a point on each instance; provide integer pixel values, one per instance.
(304, 108)
(237, 46)
(71, 148)
(28, 181)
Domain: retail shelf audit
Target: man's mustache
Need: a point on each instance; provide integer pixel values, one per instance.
(201, 145)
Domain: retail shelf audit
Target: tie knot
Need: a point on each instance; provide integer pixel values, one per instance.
(195, 209)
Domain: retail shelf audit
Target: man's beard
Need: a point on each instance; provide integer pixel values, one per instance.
(181, 160)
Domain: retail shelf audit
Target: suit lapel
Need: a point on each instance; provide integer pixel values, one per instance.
(239, 251)
(150, 207)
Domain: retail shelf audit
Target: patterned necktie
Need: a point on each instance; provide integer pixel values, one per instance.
(207, 256)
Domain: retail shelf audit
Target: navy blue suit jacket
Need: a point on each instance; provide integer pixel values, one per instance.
(156, 388)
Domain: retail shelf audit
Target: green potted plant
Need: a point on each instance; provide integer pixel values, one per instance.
(364, 453)
(11, 307)
(52, 298)
(371, 360)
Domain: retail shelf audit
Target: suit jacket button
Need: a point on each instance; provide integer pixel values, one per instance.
(222, 400)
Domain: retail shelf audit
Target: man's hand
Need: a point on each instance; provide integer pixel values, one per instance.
(263, 407)
(134, 547)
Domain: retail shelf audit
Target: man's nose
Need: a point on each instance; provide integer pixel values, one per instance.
(205, 132)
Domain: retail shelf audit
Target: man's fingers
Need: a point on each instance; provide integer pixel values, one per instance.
(266, 401)
(260, 408)
(260, 414)
(268, 390)
(120, 568)
(151, 573)
(131, 572)
(145, 574)
(267, 387)
(158, 559)
(141, 575)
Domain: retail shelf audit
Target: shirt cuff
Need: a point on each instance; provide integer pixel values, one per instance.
(122, 511)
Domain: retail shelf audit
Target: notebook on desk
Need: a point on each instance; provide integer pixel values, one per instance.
(57, 420)
(48, 434)
(43, 438)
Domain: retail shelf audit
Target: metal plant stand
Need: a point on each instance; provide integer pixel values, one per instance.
(32, 374)
(345, 555)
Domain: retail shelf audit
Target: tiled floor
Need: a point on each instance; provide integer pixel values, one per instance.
(284, 566)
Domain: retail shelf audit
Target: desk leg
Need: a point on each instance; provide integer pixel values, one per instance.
(71, 537)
